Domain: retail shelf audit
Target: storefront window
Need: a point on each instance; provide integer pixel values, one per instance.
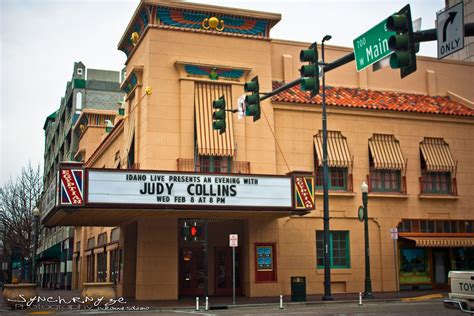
(463, 259)
(414, 267)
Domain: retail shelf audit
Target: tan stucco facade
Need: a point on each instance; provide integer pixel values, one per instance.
(280, 142)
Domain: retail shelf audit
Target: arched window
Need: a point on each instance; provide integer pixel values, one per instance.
(78, 102)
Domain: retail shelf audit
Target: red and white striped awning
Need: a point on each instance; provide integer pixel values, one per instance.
(209, 141)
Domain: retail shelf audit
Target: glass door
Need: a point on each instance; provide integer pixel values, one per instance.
(192, 275)
(441, 267)
(223, 271)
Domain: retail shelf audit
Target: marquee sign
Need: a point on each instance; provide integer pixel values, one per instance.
(304, 192)
(177, 190)
(71, 191)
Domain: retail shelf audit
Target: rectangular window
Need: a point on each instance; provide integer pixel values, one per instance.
(91, 243)
(447, 227)
(436, 182)
(434, 226)
(405, 226)
(427, 226)
(338, 249)
(115, 234)
(383, 180)
(439, 226)
(102, 267)
(78, 272)
(469, 226)
(90, 260)
(114, 265)
(90, 267)
(214, 164)
(337, 178)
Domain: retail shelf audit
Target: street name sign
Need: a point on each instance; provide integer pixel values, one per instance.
(450, 30)
(372, 46)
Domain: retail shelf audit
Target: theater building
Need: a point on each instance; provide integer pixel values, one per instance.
(154, 202)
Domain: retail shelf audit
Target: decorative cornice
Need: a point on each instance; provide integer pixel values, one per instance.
(198, 18)
(214, 73)
(133, 80)
(208, 72)
(212, 21)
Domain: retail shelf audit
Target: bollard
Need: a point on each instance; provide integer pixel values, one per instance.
(281, 301)
(197, 303)
(206, 307)
(360, 298)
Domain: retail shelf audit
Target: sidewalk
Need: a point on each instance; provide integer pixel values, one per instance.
(226, 302)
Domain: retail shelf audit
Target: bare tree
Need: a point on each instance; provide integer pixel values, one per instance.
(18, 198)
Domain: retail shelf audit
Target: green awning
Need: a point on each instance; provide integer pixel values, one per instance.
(53, 252)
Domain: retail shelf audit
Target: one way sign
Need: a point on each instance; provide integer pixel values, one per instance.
(450, 30)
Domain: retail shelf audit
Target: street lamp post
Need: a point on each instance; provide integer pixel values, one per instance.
(327, 261)
(36, 215)
(368, 283)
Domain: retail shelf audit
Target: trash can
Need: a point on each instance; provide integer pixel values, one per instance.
(298, 289)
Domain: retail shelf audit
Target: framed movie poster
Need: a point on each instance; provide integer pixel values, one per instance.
(264, 258)
(265, 262)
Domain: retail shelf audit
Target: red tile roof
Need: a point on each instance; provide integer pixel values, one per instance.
(376, 100)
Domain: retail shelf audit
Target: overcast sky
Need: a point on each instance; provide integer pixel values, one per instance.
(41, 40)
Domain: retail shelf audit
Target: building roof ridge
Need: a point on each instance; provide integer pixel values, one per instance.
(355, 97)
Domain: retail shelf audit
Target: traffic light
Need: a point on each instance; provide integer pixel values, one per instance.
(402, 43)
(192, 231)
(310, 73)
(252, 101)
(195, 232)
(219, 116)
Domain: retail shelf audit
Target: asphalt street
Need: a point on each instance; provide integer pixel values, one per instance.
(428, 308)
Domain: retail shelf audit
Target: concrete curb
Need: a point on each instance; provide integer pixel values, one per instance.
(276, 303)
